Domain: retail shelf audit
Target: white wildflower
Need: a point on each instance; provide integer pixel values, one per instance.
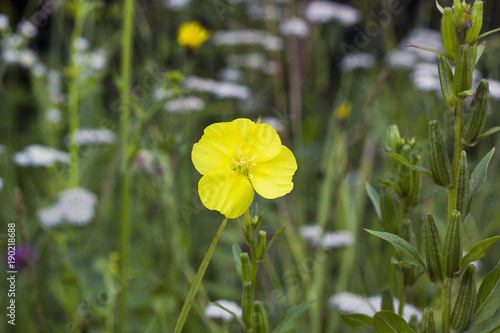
(337, 239)
(162, 93)
(275, 123)
(143, 161)
(294, 27)
(27, 29)
(53, 115)
(230, 74)
(75, 206)
(40, 156)
(357, 60)
(218, 88)
(10, 56)
(325, 11)
(494, 89)
(39, 69)
(311, 233)
(212, 311)
(94, 136)
(27, 58)
(176, 5)
(54, 78)
(82, 44)
(401, 59)
(257, 11)
(254, 61)
(186, 103)
(98, 59)
(4, 22)
(1, 183)
(423, 37)
(248, 37)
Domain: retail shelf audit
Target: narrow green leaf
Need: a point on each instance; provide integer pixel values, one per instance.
(488, 309)
(478, 251)
(387, 321)
(356, 319)
(236, 258)
(292, 314)
(428, 49)
(479, 176)
(487, 34)
(439, 7)
(274, 238)
(488, 133)
(389, 184)
(404, 249)
(480, 50)
(374, 198)
(403, 160)
(486, 289)
(230, 312)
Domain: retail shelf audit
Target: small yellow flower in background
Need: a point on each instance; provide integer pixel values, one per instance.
(344, 110)
(238, 157)
(191, 35)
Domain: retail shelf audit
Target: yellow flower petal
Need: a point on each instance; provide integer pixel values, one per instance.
(228, 192)
(216, 148)
(273, 179)
(261, 142)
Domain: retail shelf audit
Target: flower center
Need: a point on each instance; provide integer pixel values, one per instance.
(243, 164)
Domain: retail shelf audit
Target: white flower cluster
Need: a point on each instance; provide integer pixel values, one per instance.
(75, 206)
(253, 61)
(326, 11)
(14, 45)
(494, 89)
(357, 60)
(327, 240)
(40, 156)
(248, 37)
(185, 104)
(212, 311)
(217, 88)
(346, 302)
(294, 26)
(94, 136)
(230, 74)
(176, 5)
(92, 63)
(4, 22)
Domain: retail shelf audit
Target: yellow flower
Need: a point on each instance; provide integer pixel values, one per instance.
(344, 110)
(191, 35)
(238, 157)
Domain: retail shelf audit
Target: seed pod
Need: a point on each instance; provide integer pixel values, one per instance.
(449, 34)
(404, 172)
(247, 302)
(415, 182)
(466, 61)
(427, 324)
(476, 117)
(463, 186)
(446, 81)
(387, 300)
(452, 250)
(476, 19)
(261, 318)
(245, 267)
(261, 246)
(458, 11)
(438, 157)
(432, 246)
(462, 312)
(390, 209)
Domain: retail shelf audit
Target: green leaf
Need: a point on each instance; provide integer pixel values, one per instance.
(428, 49)
(487, 34)
(236, 258)
(403, 160)
(375, 199)
(387, 321)
(488, 132)
(404, 249)
(479, 176)
(230, 312)
(274, 238)
(389, 184)
(478, 251)
(485, 293)
(439, 7)
(292, 314)
(480, 50)
(356, 319)
(488, 308)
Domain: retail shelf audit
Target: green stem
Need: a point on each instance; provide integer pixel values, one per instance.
(199, 276)
(457, 154)
(251, 244)
(401, 290)
(446, 299)
(74, 97)
(125, 170)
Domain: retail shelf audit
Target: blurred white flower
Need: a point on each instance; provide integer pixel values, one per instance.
(311, 233)
(4, 22)
(218, 88)
(494, 89)
(82, 44)
(27, 58)
(53, 115)
(357, 60)
(274, 123)
(401, 59)
(423, 37)
(162, 93)
(54, 79)
(254, 61)
(212, 311)
(1, 183)
(27, 29)
(39, 69)
(186, 103)
(75, 206)
(98, 59)
(336, 239)
(176, 5)
(13, 41)
(248, 37)
(94, 136)
(257, 11)
(40, 156)
(294, 27)
(10, 56)
(346, 302)
(143, 161)
(325, 11)
(230, 74)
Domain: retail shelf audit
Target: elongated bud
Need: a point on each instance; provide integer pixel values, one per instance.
(463, 186)
(390, 209)
(452, 250)
(247, 302)
(438, 157)
(245, 267)
(387, 301)
(432, 246)
(449, 34)
(476, 117)
(458, 11)
(464, 69)
(446, 81)
(427, 324)
(404, 172)
(476, 19)
(261, 318)
(462, 312)
(261, 245)
(415, 182)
